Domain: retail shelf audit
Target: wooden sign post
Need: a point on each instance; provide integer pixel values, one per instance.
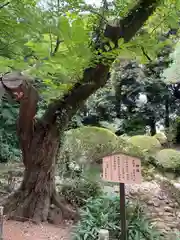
(123, 169)
(1, 222)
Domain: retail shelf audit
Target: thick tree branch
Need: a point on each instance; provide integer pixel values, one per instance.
(58, 41)
(58, 38)
(145, 54)
(26, 121)
(96, 77)
(4, 5)
(130, 25)
(18, 87)
(64, 108)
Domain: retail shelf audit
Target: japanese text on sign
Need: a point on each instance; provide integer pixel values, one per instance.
(122, 168)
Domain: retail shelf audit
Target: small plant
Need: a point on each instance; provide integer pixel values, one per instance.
(9, 152)
(171, 133)
(104, 212)
(148, 172)
(77, 192)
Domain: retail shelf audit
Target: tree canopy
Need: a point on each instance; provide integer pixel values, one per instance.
(54, 43)
(57, 40)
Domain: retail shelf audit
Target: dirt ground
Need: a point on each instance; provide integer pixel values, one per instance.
(13, 230)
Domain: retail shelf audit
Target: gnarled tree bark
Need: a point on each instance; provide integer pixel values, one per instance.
(40, 139)
(39, 146)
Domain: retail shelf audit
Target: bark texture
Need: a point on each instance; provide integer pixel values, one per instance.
(33, 199)
(39, 145)
(40, 139)
(37, 193)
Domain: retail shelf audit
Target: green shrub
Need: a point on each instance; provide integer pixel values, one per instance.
(145, 143)
(124, 146)
(9, 153)
(104, 212)
(89, 144)
(161, 137)
(168, 159)
(77, 192)
(171, 133)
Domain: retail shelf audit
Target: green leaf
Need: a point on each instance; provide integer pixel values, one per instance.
(79, 34)
(112, 44)
(120, 42)
(65, 29)
(107, 48)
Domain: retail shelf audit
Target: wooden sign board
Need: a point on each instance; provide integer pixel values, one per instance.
(122, 168)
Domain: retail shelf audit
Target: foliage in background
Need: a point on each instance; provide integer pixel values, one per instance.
(145, 143)
(86, 145)
(168, 160)
(134, 90)
(9, 149)
(104, 213)
(172, 73)
(161, 137)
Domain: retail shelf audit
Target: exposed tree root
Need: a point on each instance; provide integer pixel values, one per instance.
(22, 207)
(67, 212)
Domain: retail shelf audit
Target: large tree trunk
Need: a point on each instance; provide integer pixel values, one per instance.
(37, 193)
(40, 140)
(40, 145)
(33, 198)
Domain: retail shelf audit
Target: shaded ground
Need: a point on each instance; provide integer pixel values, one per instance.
(161, 202)
(10, 179)
(27, 231)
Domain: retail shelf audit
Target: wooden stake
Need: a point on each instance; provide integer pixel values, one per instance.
(1, 222)
(123, 212)
(103, 234)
